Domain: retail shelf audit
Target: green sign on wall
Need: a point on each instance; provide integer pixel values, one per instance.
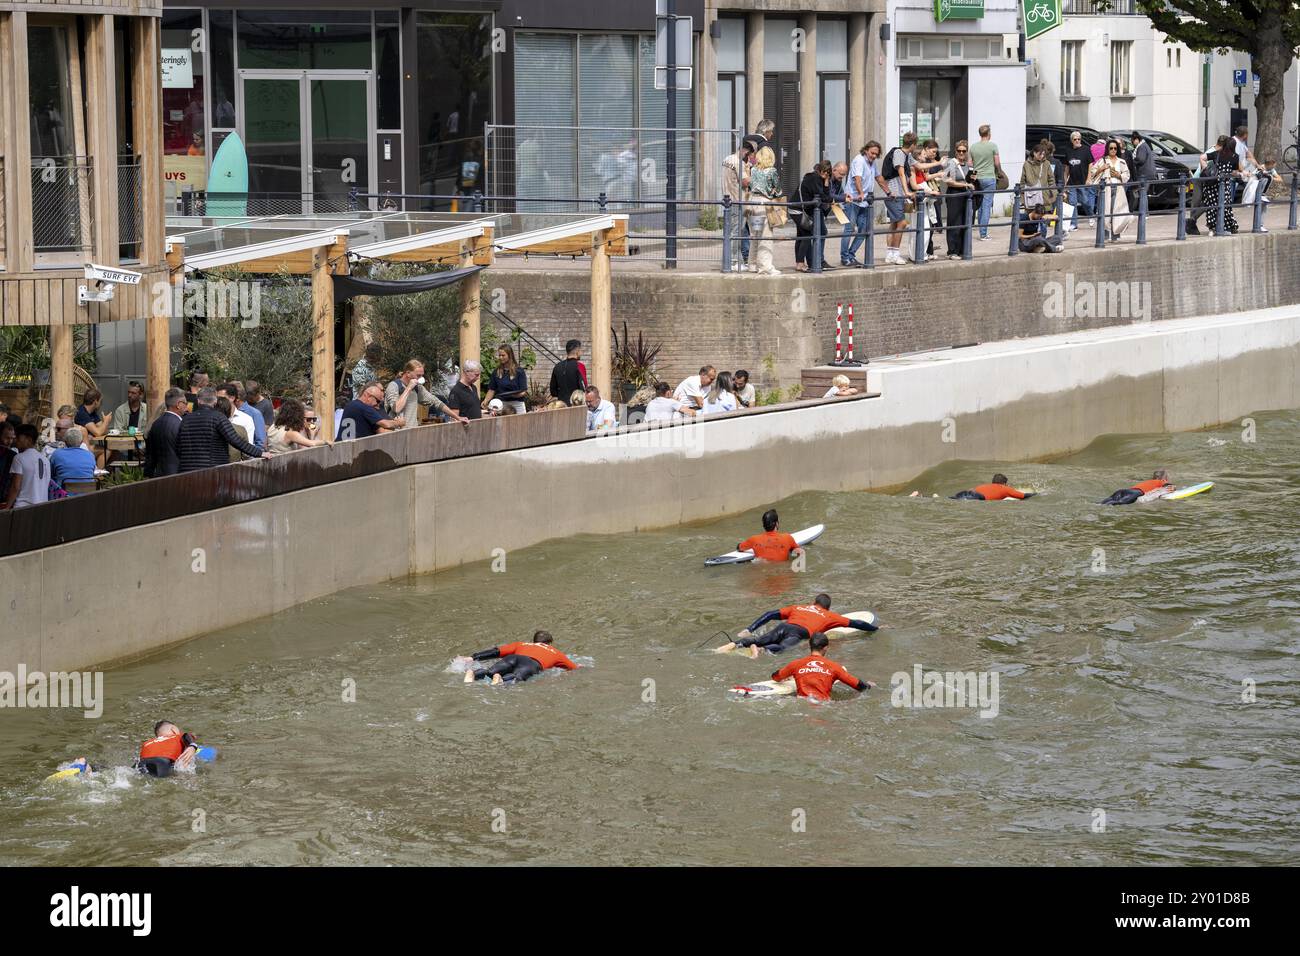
(958, 10)
(1040, 16)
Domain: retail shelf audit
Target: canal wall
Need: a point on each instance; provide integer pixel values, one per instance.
(130, 592)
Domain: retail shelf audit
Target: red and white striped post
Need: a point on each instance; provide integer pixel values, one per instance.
(850, 332)
(839, 315)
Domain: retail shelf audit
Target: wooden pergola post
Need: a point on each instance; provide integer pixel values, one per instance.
(61, 367)
(470, 341)
(322, 342)
(158, 327)
(601, 348)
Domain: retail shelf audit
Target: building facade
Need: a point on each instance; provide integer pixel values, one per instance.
(81, 173)
(1111, 70)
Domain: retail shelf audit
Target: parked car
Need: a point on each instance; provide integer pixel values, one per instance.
(1168, 165)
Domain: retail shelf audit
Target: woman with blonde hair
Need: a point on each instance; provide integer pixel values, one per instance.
(509, 382)
(765, 184)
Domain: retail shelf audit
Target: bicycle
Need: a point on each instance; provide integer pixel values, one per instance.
(1039, 11)
(1291, 155)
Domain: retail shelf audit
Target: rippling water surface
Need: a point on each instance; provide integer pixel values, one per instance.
(1120, 692)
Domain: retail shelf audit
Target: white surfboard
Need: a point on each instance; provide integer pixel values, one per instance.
(1157, 494)
(1190, 490)
(834, 632)
(741, 557)
(764, 688)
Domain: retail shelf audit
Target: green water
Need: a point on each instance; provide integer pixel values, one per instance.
(1120, 691)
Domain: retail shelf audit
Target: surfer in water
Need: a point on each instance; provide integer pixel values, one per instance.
(799, 622)
(1126, 496)
(773, 544)
(816, 674)
(519, 660)
(167, 751)
(996, 490)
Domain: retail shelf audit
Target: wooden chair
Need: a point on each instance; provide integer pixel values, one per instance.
(80, 486)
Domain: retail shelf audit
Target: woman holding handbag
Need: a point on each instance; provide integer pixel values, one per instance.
(765, 185)
(814, 193)
(1108, 172)
(960, 177)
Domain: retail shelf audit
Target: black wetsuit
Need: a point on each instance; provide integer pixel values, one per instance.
(786, 635)
(781, 638)
(156, 766)
(1125, 496)
(967, 496)
(513, 668)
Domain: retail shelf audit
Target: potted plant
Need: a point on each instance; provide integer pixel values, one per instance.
(633, 363)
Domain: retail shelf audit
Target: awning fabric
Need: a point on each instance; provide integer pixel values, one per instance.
(345, 287)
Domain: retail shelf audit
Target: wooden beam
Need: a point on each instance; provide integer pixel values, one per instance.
(322, 346)
(146, 73)
(166, 298)
(61, 380)
(580, 245)
(602, 358)
(101, 140)
(18, 145)
(470, 342)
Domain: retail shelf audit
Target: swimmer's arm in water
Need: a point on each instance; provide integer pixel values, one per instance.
(863, 625)
(565, 663)
(487, 655)
(769, 616)
(186, 759)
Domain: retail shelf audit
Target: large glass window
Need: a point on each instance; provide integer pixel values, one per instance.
(779, 54)
(185, 148)
(1120, 51)
(221, 54)
(388, 68)
(61, 173)
(455, 99)
(925, 108)
(304, 39)
(1072, 68)
(731, 73)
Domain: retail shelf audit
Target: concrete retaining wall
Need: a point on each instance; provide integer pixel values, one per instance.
(733, 322)
(124, 594)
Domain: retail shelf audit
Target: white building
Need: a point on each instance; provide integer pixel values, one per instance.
(1115, 71)
(952, 66)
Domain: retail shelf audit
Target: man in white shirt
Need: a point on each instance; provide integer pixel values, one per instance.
(693, 388)
(745, 393)
(600, 412)
(858, 190)
(664, 409)
(240, 417)
(29, 472)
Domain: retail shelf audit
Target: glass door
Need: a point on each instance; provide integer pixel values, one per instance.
(340, 140)
(307, 135)
(273, 131)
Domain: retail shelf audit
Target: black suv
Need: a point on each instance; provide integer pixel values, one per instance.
(1159, 196)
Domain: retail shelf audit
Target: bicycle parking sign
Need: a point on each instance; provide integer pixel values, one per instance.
(1040, 16)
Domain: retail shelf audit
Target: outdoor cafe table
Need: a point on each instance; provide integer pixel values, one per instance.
(121, 443)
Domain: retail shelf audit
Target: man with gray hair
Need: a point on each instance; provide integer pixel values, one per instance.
(160, 451)
(464, 396)
(205, 435)
(72, 461)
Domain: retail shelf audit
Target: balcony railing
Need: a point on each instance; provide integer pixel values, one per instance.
(130, 213)
(63, 198)
(1098, 8)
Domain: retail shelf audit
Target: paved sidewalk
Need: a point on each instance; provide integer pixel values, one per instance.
(700, 251)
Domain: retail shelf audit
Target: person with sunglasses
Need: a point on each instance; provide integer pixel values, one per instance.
(1078, 159)
(1106, 173)
(960, 181)
(362, 416)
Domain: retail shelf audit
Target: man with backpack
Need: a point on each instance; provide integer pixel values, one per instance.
(895, 180)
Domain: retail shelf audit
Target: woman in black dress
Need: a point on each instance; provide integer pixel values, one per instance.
(814, 191)
(1226, 163)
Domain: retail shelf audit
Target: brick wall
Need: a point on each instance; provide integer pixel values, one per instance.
(734, 321)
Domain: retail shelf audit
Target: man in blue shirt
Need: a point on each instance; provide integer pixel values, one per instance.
(72, 460)
(362, 417)
(858, 189)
